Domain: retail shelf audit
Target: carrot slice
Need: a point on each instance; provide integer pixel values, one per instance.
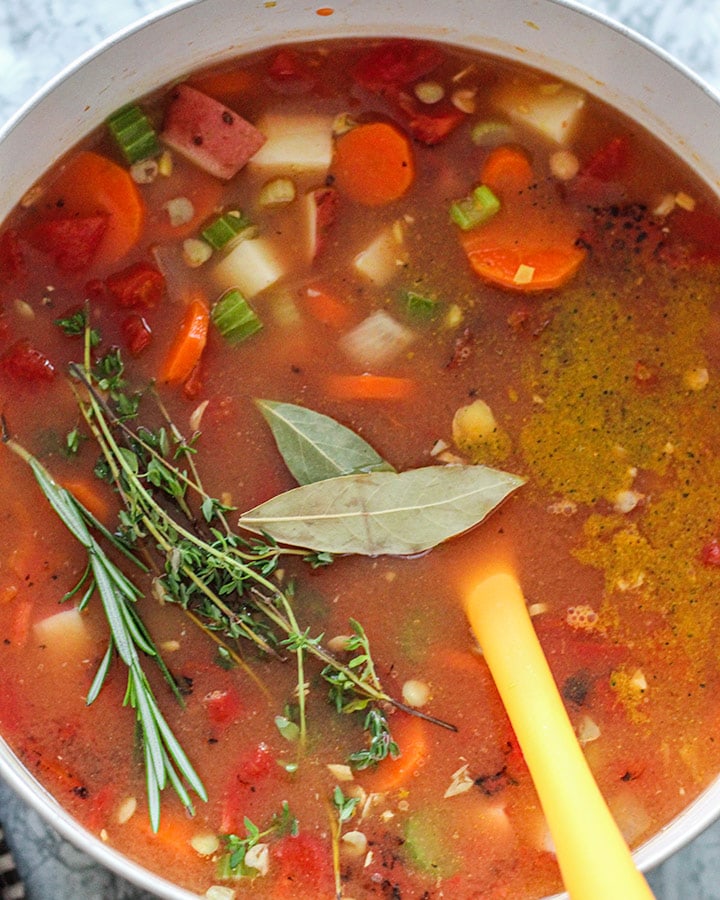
(225, 83)
(521, 257)
(90, 496)
(410, 733)
(326, 308)
(373, 164)
(369, 387)
(506, 168)
(531, 243)
(91, 184)
(189, 343)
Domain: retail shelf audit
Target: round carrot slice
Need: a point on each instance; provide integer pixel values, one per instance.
(373, 164)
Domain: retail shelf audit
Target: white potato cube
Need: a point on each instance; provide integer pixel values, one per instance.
(64, 634)
(251, 267)
(380, 261)
(294, 145)
(552, 109)
(376, 340)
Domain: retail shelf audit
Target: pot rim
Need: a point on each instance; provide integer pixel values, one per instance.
(706, 808)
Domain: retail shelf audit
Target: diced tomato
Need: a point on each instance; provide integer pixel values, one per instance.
(12, 262)
(697, 232)
(25, 363)
(137, 333)
(710, 554)
(72, 241)
(304, 861)
(223, 707)
(396, 63)
(100, 804)
(290, 70)
(609, 162)
(138, 285)
(253, 767)
(429, 125)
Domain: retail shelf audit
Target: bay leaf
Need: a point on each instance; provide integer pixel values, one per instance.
(383, 512)
(316, 447)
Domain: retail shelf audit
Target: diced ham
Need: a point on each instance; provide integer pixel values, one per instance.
(207, 132)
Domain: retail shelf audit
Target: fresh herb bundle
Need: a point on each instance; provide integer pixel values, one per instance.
(225, 581)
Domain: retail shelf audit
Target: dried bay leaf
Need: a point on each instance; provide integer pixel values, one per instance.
(316, 447)
(383, 512)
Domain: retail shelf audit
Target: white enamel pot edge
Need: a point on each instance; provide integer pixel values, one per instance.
(565, 39)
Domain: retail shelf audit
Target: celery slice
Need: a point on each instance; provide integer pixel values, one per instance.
(134, 134)
(220, 232)
(234, 318)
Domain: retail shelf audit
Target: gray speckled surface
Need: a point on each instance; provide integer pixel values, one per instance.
(38, 38)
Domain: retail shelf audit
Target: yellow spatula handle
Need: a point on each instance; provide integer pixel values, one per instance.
(595, 862)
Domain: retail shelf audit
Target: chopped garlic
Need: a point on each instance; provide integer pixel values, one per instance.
(196, 252)
(340, 772)
(145, 171)
(429, 91)
(524, 274)
(355, 842)
(587, 730)
(564, 165)
(685, 201)
(197, 414)
(464, 100)
(258, 858)
(180, 210)
(460, 782)
(220, 892)
(415, 693)
(126, 810)
(205, 843)
(627, 501)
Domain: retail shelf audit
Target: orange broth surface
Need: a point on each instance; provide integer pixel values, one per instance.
(583, 315)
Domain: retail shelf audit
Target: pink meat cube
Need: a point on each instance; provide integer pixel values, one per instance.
(205, 131)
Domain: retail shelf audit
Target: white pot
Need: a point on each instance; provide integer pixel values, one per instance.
(574, 44)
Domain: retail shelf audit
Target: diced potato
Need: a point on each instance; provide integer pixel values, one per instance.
(294, 145)
(376, 340)
(381, 259)
(251, 266)
(553, 110)
(65, 634)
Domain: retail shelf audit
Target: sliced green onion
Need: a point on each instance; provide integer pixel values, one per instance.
(134, 134)
(234, 318)
(225, 228)
(476, 209)
(420, 306)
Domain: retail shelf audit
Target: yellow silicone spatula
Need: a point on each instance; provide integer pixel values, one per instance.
(595, 862)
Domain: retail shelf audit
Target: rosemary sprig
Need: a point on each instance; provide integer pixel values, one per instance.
(165, 760)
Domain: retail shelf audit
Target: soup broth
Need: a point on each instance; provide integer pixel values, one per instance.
(336, 264)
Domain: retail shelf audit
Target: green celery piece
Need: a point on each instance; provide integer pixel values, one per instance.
(234, 318)
(134, 134)
(224, 229)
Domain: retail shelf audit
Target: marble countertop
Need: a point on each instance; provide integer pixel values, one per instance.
(38, 38)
